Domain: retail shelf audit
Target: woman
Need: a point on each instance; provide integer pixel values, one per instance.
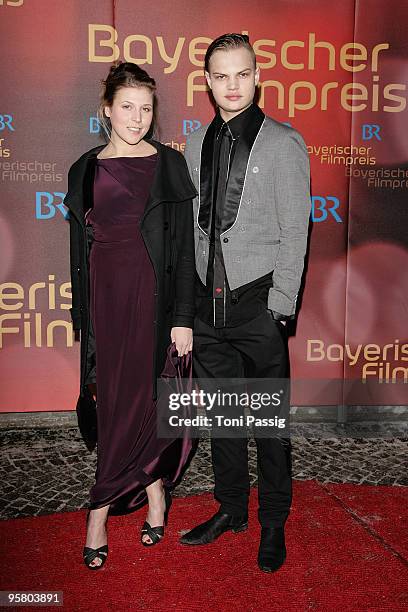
(132, 272)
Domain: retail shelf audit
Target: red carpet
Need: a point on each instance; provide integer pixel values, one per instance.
(347, 551)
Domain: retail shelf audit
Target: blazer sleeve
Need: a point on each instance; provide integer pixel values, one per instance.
(292, 196)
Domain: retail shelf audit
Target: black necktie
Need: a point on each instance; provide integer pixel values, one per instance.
(218, 208)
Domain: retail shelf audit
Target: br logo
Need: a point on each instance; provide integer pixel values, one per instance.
(47, 203)
(94, 125)
(190, 125)
(6, 122)
(370, 130)
(322, 207)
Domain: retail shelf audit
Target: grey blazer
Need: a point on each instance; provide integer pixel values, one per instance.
(270, 229)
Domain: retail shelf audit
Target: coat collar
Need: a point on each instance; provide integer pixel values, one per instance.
(171, 182)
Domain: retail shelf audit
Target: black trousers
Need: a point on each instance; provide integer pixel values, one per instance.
(255, 349)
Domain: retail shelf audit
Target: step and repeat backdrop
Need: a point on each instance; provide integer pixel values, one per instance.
(337, 72)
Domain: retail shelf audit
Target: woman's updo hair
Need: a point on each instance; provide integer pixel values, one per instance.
(124, 74)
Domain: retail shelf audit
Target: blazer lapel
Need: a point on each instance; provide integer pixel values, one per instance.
(237, 174)
(206, 179)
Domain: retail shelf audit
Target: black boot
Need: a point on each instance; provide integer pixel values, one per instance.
(272, 549)
(217, 525)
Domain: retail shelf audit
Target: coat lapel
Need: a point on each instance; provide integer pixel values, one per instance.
(171, 181)
(238, 170)
(80, 194)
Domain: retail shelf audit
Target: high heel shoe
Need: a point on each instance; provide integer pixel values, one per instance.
(157, 533)
(90, 554)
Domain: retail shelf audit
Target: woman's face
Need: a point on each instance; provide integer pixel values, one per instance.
(131, 114)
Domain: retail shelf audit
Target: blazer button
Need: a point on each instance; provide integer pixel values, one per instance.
(225, 240)
(169, 269)
(200, 238)
(255, 169)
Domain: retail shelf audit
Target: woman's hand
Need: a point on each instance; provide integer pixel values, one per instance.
(183, 338)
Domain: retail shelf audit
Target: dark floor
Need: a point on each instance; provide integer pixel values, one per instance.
(49, 469)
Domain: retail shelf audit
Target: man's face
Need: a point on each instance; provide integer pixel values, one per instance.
(232, 78)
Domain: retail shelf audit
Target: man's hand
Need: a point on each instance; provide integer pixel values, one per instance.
(278, 317)
(183, 338)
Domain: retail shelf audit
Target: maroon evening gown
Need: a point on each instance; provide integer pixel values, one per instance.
(122, 281)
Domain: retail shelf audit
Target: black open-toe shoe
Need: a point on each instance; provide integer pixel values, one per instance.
(89, 554)
(156, 533)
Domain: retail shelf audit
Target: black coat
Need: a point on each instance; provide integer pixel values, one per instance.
(167, 231)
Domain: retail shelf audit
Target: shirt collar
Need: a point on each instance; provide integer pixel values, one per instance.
(237, 124)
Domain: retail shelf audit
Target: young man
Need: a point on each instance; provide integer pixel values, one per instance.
(251, 225)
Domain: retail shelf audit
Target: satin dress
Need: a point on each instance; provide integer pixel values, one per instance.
(122, 300)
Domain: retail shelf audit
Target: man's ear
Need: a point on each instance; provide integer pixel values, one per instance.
(257, 74)
(208, 79)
